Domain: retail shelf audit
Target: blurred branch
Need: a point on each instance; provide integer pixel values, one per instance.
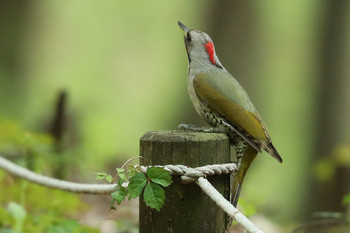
(52, 182)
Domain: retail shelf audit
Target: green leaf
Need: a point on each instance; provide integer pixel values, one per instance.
(120, 170)
(100, 175)
(122, 176)
(109, 178)
(131, 171)
(17, 211)
(136, 185)
(103, 175)
(121, 173)
(120, 182)
(346, 199)
(154, 196)
(119, 195)
(160, 176)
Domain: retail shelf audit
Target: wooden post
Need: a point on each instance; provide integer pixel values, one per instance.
(187, 208)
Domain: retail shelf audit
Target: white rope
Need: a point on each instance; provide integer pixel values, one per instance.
(52, 182)
(227, 206)
(187, 175)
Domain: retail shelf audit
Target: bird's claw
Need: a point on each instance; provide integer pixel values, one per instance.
(198, 129)
(187, 127)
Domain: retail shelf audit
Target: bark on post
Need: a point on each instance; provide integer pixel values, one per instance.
(186, 208)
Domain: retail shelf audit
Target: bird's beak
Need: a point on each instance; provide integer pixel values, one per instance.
(184, 28)
(185, 31)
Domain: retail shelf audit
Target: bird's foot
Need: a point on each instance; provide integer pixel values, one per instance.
(199, 129)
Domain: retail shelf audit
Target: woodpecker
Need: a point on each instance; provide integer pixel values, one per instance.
(222, 102)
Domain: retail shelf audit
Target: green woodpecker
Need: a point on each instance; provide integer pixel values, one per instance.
(222, 102)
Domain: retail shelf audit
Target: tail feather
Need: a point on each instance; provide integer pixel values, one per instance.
(236, 191)
(269, 148)
(248, 156)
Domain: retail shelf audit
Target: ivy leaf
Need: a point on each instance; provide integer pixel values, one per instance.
(120, 170)
(154, 196)
(119, 195)
(121, 173)
(131, 171)
(100, 175)
(120, 182)
(159, 176)
(109, 178)
(136, 185)
(103, 175)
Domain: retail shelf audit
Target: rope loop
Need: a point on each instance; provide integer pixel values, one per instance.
(189, 175)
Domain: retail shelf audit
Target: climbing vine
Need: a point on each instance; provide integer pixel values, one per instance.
(132, 183)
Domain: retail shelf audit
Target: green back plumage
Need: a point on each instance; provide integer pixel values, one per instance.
(227, 98)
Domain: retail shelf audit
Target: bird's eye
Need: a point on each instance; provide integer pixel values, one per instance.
(189, 38)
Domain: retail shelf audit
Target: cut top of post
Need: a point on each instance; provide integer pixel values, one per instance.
(185, 147)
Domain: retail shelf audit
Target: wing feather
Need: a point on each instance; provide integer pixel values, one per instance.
(229, 100)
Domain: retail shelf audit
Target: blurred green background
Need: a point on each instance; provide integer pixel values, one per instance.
(119, 69)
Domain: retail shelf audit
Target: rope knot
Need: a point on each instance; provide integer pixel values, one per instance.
(189, 175)
(215, 169)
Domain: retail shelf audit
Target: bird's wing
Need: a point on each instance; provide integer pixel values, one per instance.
(228, 99)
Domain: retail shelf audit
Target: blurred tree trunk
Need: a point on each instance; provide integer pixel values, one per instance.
(12, 24)
(231, 27)
(333, 112)
(12, 14)
(57, 129)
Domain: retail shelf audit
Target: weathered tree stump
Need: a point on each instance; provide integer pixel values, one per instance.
(187, 208)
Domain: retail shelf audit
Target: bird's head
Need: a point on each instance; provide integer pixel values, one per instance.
(199, 47)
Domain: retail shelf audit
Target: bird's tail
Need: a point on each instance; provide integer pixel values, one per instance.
(248, 156)
(269, 148)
